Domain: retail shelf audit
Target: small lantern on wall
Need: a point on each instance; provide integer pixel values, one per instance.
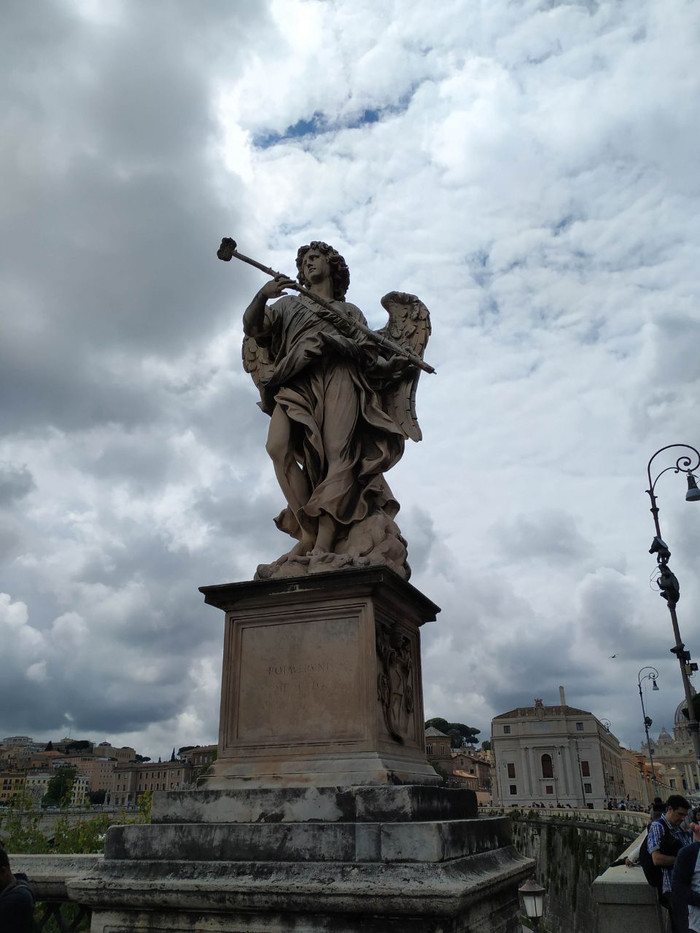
(532, 895)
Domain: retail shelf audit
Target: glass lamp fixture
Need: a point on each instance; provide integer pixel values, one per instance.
(693, 493)
(533, 899)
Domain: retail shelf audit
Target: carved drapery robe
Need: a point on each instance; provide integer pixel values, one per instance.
(341, 436)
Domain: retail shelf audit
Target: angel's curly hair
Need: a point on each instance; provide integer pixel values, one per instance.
(340, 274)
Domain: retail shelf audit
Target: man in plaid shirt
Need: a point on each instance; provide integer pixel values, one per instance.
(665, 836)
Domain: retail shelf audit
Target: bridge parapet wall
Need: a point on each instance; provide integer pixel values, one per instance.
(626, 903)
(572, 848)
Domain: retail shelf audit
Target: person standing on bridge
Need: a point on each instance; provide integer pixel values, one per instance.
(685, 880)
(665, 838)
(16, 900)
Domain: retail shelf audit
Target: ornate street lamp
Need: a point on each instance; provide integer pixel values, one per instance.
(533, 900)
(667, 581)
(652, 676)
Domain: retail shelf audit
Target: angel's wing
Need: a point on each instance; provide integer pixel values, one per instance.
(258, 361)
(409, 326)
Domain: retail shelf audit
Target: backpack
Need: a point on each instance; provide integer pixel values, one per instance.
(669, 846)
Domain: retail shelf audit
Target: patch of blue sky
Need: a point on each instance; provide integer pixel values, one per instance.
(478, 264)
(367, 116)
(563, 225)
(319, 123)
(298, 130)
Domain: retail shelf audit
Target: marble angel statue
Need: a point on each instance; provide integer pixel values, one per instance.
(341, 401)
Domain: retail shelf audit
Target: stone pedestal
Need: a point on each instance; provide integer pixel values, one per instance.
(322, 682)
(411, 859)
(321, 814)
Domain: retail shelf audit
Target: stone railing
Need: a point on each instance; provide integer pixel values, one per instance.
(48, 875)
(628, 822)
(574, 850)
(626, 902)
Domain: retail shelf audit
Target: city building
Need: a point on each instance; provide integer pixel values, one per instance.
(12, 784)
(474, 764)
(97, 771)
(79, 790)
(557, 755)
(437, 745)
(200, 757)
(17, 750)
(465, 767)
(37, 784)
(129, 781)
(69, 746)
(636, 776)
(122, 755)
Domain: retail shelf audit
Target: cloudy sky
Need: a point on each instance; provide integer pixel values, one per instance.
(529, 168)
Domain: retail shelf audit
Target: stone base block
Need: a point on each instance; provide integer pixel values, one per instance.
(308, 860)
(307, 842)
(318, 804)
(474, 894)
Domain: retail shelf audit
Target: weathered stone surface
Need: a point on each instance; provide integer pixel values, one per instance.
(315, 842)
(474, 894)
(626, 902)
(327, 804)
(321, 682)
(49, 874)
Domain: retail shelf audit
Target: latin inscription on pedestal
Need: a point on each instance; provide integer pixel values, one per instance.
(299, 681)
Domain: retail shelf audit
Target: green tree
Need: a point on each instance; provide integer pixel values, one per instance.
(459, 733)
(82, 836)
(144, 802)
(59, 787)
(19, 828)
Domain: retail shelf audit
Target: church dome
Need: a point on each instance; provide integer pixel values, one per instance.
(679, 719)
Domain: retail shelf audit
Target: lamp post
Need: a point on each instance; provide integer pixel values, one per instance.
(533, 900)
(667, 581)
(652, 676)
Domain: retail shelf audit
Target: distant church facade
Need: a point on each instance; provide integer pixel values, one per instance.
(675, 764)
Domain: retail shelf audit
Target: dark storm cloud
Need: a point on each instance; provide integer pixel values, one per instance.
(15, 482)
(110, 292)
(112, 217)
(551, 535)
